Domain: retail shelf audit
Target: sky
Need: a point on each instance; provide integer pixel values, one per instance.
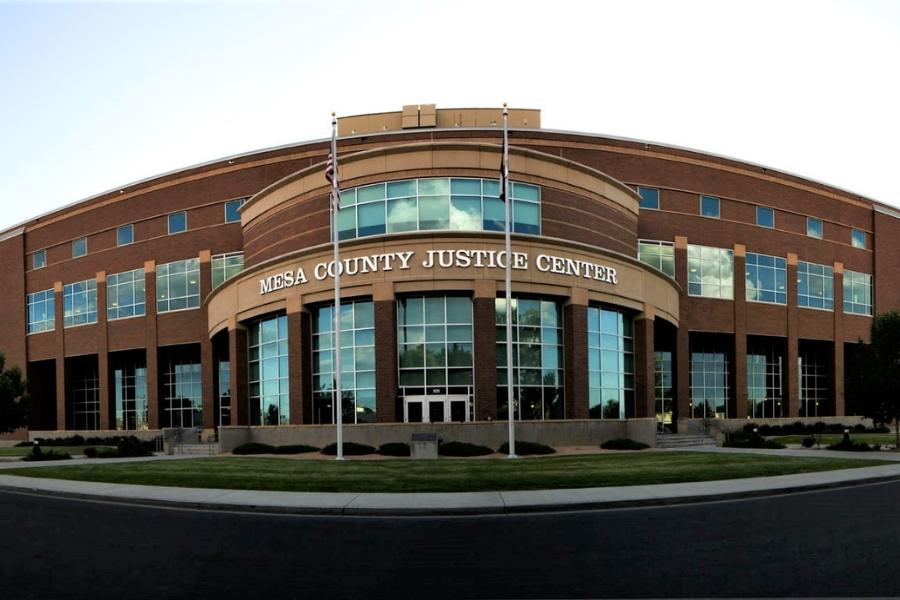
(97, 95)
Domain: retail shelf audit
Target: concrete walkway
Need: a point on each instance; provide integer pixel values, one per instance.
(487, 503)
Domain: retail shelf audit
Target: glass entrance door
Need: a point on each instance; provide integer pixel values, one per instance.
(436, 409)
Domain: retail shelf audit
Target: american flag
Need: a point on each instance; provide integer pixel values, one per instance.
(504, 161)
(331, 176)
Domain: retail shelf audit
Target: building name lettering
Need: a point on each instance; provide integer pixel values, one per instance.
(441, 259)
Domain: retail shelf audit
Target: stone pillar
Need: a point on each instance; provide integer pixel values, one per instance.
(738, 408)
(576, 355)
(207, 359)
(151, 353)
(60, 351)
(237, 355)
(107, 412)
(644, 365)
(485, 342)
(682, 336)
(386, 385)
(299, 366)
(838, 354)
(792, 352)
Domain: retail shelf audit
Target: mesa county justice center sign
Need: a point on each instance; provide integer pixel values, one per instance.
(443, 259)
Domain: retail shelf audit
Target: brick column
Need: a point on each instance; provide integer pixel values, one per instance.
(838, 354)
(485, 341)
(644, 365)
(151, 353)
(60, 348)
(792, 353)
(299, 367)
(237, 355)
(207, 360)
(682, 336)
(738, 408)
(386, 390)
(107, 411)
(576, 356)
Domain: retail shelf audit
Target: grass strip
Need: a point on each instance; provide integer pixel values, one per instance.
(461, 475)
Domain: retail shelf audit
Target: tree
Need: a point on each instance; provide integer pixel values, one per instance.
(13, 399)
(876, 372)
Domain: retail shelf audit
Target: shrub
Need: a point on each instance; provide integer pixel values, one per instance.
(394, 449)
(849, 445)
(90, 452)
(131, 446)
(808, 442)
(463, 449)
(294, 449)
(38, 455)
(751, 440)
(623, 444)
(25, 444)
(254, 448)
(107, 453)
(524, 448)
(350, 449)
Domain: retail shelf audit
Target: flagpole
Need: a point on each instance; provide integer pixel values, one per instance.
(336, 339)
(509, 348)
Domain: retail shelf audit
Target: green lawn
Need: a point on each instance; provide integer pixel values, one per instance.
(444, 475)
(885, 439)
(75, 451)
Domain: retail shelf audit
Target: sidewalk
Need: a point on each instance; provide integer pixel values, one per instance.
(465, 503)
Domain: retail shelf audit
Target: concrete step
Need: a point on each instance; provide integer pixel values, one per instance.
(684, 440)
(197, 449)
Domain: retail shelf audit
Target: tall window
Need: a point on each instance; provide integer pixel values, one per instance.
(814, 390)
(80, 303)
(434, 340)
(709, 384)
(764, 386)
(765, 217)
(709, 206)
(710, 272)
(177, 222)
(125, 295)
(858, 238)
(268, 374)
(233, 210)
(357, 362)
(659, 255)
(537, 359)
(41, 311)
(766, 278)
(84, 397)
(130, 382)
(815, 286)
(125, 235)
(182, 393)
(39, 259)
(649, 197)
(178, 285)
(436, 204)
(665, 387)
(610, 364)
(814, 227)
(857, 293)
(79, 247)
(224, 393)
(226, 266)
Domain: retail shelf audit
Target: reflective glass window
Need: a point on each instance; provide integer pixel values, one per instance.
(130, 389)
(80, 303)
(709, 382)
(83, 392)
(659, 255)
(125, 295)
(39, 259)
(766, 278)
(765, 217)
(125, 235)
(79, 247)
(177, 222)
(233, 210)
(649, 197)
(268, 372)
(178, 285)
(709, 206)
(814, 227)
(226, 266)
(815, 286)
(182, 401)
(41, 313)
(710, 272)
(857, 293)
(858, 238)
(764, 381)
(610, 363)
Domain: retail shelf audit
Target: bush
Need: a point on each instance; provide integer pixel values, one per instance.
(849, 445)
(808, 442)
(294, 449)
(394, 449)
(524, 448)
(38, 455)
(25, 444)
(254, 448)
(463, 449)
(107, 453)
(350, 449)
(751, 440)
(623, 444)
(90, 452)
(131, 446)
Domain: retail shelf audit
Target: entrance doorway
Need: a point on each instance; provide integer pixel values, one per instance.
(436, 409)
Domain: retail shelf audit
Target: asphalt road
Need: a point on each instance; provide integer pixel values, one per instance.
(830, 543)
